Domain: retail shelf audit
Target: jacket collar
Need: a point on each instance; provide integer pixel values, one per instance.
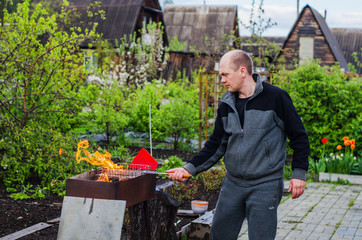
(229, 97)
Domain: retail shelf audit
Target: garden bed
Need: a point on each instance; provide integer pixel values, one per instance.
(20, 214)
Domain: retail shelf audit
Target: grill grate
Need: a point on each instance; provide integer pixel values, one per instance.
(123, 174)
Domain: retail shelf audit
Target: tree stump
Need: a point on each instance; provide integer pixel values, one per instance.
(154, 219)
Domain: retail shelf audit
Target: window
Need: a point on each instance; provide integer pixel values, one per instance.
(306, 49)
(90, 60)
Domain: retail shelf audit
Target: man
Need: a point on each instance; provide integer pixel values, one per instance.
(251, 129)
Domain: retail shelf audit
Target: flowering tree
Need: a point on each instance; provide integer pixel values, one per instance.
(139, 60)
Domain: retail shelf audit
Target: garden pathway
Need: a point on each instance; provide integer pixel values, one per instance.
(325, 211)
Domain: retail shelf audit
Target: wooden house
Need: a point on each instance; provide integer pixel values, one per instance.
(310, 38)
(350, 41)
(207, 31)
(122, 17)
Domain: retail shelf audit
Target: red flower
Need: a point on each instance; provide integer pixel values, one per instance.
(324, 140)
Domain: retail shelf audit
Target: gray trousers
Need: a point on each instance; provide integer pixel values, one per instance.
(257, 203)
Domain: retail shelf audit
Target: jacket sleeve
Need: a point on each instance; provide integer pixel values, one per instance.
(297, 135)
(213, 149)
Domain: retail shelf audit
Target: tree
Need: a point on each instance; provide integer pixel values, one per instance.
(41, 66)
(265, 52)
(41, 69)
(139, 60)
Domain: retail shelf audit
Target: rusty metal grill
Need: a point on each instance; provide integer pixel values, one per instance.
(133, 185)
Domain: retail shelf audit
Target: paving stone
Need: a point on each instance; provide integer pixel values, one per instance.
(318, 211)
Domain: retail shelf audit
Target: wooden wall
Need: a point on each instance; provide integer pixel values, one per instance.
(307, 26)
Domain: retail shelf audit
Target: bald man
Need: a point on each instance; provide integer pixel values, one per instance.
(253, 123)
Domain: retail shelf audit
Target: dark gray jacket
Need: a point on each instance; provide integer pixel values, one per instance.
(255, 153)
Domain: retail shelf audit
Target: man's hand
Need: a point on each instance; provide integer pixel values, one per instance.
(179, 174)
(296, 186)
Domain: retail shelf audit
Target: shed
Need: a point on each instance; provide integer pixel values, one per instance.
(310, 38)
(206, 29)
(193, 23)
(123, 17)
(350, 41)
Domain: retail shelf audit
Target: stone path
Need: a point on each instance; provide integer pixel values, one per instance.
(324, 212)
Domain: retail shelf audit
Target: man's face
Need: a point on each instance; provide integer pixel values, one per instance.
(232, 79)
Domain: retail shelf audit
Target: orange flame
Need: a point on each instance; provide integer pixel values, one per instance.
(97, 159)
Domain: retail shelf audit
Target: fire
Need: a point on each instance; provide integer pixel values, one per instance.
(97, 159)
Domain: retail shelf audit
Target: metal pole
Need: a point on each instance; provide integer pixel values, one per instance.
(150, 130)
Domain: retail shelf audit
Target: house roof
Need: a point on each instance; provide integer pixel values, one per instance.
(122, 16)
(193, 23)
(330, 39)
(349, 40)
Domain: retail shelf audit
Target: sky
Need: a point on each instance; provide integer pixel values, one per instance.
(340, 14)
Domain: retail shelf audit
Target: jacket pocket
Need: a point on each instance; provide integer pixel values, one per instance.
(268, 155)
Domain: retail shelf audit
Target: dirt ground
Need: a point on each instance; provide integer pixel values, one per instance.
(20, 214)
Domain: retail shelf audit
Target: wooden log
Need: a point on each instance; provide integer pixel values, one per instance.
(201, 227)
(154, 219)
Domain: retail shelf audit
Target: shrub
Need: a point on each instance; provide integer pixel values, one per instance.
(38, 157)
(328, 103)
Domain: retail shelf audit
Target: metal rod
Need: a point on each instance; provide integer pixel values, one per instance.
(150, 130)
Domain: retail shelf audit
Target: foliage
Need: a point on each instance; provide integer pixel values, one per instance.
(213, 177)
(33, 158)
(174, 108)
(171, 162)
(104, 111)
(258, 24)
(357, 62)
(327, 102)
(177, 119)
(179, 116)
(184, 190)
(288, 171)
(139, 106)
(9, 6)
(315, 167)
(41, 69)
(265, 53)
(176, 45)
(344, 163)
(139, 60)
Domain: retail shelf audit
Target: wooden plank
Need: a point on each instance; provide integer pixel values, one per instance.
(201, 227)
(26, 231)
(55, 220)
(186, 213)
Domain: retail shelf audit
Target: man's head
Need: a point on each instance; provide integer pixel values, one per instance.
(239, 58)
(235, 69)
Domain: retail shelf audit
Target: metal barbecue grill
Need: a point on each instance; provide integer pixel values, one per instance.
(132, 184)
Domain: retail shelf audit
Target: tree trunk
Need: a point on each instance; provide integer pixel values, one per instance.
(154, 219)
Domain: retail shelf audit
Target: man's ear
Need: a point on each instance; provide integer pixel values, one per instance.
(243, 71)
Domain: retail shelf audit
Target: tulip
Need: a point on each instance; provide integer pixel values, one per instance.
(339, 147)
(324, 140)
(345, 138)
(353, 146)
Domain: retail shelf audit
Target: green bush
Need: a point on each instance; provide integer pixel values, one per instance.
(138, 106)
(327, 101)
(38, 160)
